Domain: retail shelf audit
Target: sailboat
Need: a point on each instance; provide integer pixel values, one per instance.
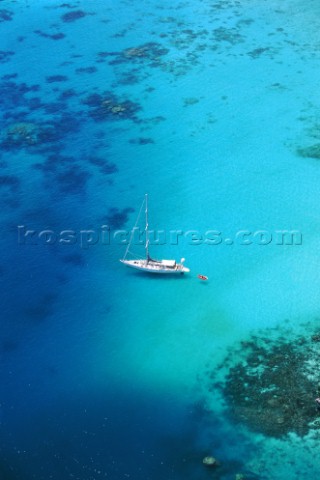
(148, 264)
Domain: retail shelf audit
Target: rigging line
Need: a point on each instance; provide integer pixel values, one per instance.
(135, 256)
(132, 231)
(147, 225)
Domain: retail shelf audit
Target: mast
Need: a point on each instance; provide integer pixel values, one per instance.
(146, 229)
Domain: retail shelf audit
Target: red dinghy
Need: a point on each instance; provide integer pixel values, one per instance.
(202, 277)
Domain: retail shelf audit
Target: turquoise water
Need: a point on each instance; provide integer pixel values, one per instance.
(104, 372)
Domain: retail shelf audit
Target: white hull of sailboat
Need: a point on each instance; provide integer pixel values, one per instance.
(156, 267)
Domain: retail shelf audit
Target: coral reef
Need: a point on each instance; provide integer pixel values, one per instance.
(257, 52)
(5, 56)
(43, 307)
(30, 134)
(56, 78)
(230, 35)
(75, 259)
(9, 181)
(109, 107)
(62, 172)
(272, 389)
(210, 461)
(105, 167)
(13, 95)
(86, 70)
(73, 16)
(141, 141)
(117, 218)
(21, 134)
(54, 36)
(5, 15)
(148, 52)
(72, 180)
(66, 94)
(190, 101)
(310, 152)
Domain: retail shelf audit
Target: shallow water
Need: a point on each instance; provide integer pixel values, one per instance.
(105, 373)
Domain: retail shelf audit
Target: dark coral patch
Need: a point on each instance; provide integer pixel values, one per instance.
(157, 120)
(60, 159)
(9, 181)
(62, 172)
(54, 162)
(73, 180)
(53, 148)
(108, 168)
(66, 5)
(5, 15)
(12, 94)
(117, 218)
(54, 36)
(86, 70)
(20, 134)
(131, 77)
(15, 117)
(9, 76)
(107, 54)
(256, 53)
(43, 137)
(69, 122)
(48, 134)
(74, 259)
(19, 127)
(310, 152)
(93, 100)
(56, 78)
(38, 311)
(150, 52)
(54, 107)
(273, 388)
(141, 141)
(35, 103)
(105, 167)
(56, 129)
(5, 56)
(73, 16)
(108, 107)
(57, 36)
(66, 94)
(229, 35)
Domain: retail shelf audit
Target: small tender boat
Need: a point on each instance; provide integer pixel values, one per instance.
(149, 264)
(202, 277)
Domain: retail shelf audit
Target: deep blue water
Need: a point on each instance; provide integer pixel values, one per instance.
(210, 107)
